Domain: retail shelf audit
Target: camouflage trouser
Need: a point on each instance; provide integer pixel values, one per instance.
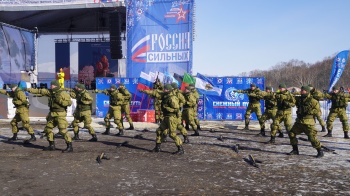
(22, 114)
(188, 117)
(85, 117)
(57, 119)
(318, 116)
(267, 115)
(158, 112)
(334, 113)
(126, 109)
(179, 127)
(286, 117)
(114, 112)
(252, 107)
(307, 127)
(169, 122)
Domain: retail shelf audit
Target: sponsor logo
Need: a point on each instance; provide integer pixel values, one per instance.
(229, 116)
(219, 115)
(233, 96)
(239, 116)
(106, 103)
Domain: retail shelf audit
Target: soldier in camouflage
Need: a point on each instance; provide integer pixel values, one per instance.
(59, 100)
(318, 95)
(126, 105)
(21, 104)
(156, 94)
(195, 109)
(254, 95)
(285, 102)
(307, 108)
(187, 113)
(338, 109)
(82, 112)
(116, 100)
(170, 108)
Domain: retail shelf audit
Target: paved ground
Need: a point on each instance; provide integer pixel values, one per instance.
(210, 165)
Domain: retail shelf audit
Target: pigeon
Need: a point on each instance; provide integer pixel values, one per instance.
(221, 138)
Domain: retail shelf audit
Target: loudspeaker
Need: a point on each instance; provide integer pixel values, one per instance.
(115, 24)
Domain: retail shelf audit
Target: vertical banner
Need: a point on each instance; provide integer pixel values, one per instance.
(62, 58)
(338, 67)
(159, 36)
(95, 61)
(230, 105)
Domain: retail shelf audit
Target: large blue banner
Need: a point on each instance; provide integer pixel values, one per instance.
(62, 58)
(159, 36)
(338, 68)
(230, 105)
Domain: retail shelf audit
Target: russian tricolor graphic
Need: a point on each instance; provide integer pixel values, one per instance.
(139, 50)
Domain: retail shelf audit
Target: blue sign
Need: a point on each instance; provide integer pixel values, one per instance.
(159, 36)
(338, 68)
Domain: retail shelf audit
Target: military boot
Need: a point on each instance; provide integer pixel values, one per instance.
(329, 134)
(94, 138)
(295, 150)
(179, 151)
(13, 138)
(199, 127)
(281, 135)
(157, 148)
(319, 153)
(76, 136)
(31, 139)
(106, 132)
(346, 136)
(164, 138)
(121, 132)
(131, 127)
(246, 128)
(196, 133)
(51, 146)
(323, 129)
(187, 127)
(69, 147)
(262, 132)
(272, 140)
(186, 140)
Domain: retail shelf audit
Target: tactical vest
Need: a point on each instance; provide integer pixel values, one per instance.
(54, 101)
(283, 97)
(15, 99)
(80, 105)
(270, 103)
(113, 98)
(254, 99)
(304, 107)
(339, 100)
(166, 103)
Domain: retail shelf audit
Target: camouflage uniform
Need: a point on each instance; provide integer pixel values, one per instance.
(254, 103)
(180, 126)
(270, 109)
(170, 108)
(59, 100)
(195, 107)
(338, 109)
(285, 102)
(116, 100)
(21, 103)
(307, 108)
(126, 105)
(82, 112)
(188, 110)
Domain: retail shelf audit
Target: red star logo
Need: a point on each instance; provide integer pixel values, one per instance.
(181, 14)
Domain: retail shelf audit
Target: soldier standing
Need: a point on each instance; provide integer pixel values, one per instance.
(116, 100)
(82, 112)
(338, 109)
(125, 107)
(270, 108)
(194, 108)
(59, 100)
(187, 113)
(307, 108)
(285, 102)
(170, 108)
(21, 104)
(254, 96)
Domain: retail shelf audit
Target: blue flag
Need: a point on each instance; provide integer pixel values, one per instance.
(206, 86)
(338, 68)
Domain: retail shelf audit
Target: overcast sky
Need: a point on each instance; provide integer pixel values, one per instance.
(235, 36)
